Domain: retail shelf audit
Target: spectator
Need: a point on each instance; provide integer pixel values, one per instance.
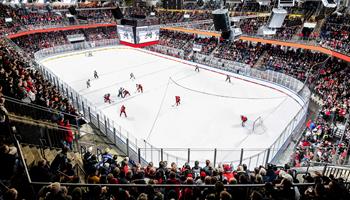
(8, 156)
(60, 161)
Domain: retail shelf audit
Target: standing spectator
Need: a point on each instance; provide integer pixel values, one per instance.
(60, 161)
(69, 137)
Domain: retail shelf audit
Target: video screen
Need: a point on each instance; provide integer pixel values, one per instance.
(125, 34)
(147, 34)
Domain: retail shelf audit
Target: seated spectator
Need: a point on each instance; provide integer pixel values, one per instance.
(41, 172)
(11, 194)
(8, 156)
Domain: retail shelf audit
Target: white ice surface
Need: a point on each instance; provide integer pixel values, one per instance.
(209, 114)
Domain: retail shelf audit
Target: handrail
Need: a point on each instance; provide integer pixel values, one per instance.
(35, 106)
(165, 185)
(22, 159)
(41, 123)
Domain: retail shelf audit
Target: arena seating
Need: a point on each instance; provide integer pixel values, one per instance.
(335, 33)
(60, 38)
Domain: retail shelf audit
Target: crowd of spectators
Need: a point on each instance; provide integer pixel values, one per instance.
(34, 42)
(94, 34)
(19, 81)
(290, 28)
(250, 7)
(166, 17)
(294, 62)
(185, 42)
(199, 182)
(321, 141)
(176, 40)
(240, 51)
(60, 6)
(27, 19)
(250, 26)
(335, 32)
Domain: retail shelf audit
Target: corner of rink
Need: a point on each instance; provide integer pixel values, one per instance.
(146, 44)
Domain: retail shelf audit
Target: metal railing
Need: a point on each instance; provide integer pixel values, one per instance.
(41, 133)
(179, 53)
(142, 151)
(44, 53)
(38, 112)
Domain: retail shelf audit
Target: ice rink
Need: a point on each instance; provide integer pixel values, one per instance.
(209, 114)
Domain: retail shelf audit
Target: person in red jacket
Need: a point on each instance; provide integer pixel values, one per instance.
(139, 88)
(243, 119)
(177, 100)
(107, 98)
(69, 136)
(122, 110)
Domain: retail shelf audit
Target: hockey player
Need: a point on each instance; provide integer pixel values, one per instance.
(95, 74)
(122, 111)
(196, 69)
(177, 100)
(107, 98)
(139, 88)
(132, 77)
(88, 83)
(120, 92)
(125, 92)
(228, 78)
(244, 119)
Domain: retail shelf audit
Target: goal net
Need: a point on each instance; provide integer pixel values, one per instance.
(258, 126)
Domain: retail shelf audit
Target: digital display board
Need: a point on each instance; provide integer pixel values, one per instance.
(147, 34)
(126, 34)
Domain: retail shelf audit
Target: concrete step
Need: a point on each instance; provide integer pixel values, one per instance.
(37, 154)
(28, 155)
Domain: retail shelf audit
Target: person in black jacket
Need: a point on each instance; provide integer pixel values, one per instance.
(60, 161)
(8, 156)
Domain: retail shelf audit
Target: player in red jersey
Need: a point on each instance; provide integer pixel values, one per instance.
(125, 92)
(139, 88)
(107, 98)
(243, 119)
(122, 111)
(177, 100)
